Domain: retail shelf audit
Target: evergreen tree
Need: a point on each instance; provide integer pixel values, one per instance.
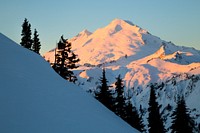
(182, 122)
(120, 99)
(72, 61)
(103, 94)
(60, 58)
(133, 118)
(65, 60)
(155, 121)
(26, 40)
(36, 42)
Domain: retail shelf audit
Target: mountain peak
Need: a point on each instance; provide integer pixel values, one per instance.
(121, 22)
(125, 25)
(117, 39)
(84, 32)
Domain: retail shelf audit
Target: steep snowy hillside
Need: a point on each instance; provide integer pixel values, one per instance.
(34, 99)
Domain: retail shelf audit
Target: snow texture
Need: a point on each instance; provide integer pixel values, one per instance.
(34, 99)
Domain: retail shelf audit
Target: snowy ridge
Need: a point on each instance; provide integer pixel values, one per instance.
(34, 99)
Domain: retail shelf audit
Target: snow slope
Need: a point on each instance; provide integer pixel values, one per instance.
(34, 99)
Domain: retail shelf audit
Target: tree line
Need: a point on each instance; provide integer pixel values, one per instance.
(65, 59)
(27, 41)
(121, 105)
(117, 102)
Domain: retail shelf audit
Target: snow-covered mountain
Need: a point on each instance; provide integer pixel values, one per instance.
(34, 99)
(122, 38)
(142, 59)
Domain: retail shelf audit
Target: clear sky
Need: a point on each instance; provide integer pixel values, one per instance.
(171, 20)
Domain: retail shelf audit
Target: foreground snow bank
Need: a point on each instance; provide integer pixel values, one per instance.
(34, 99)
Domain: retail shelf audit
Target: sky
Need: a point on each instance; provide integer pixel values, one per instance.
(177, 21)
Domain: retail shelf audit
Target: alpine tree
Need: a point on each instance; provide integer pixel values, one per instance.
(65, 60)
(59, 65)
(155, 120)
(133, 118)
(71, 63)
(181, 120)
(103, 94)
(36, 42)
(120, 99)
(26, 40)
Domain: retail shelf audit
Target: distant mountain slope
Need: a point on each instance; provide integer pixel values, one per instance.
(34, 99)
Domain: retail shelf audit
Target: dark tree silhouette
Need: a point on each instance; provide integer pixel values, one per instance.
(133, 118)
(103, 94)
(36, 42)
(26, 40)
(65, 60)
(60, 58)
(181, 120)
(120, 99)
(72, 64)
(155, 120)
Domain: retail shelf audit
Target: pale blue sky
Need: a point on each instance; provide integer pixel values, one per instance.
(171, 20)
